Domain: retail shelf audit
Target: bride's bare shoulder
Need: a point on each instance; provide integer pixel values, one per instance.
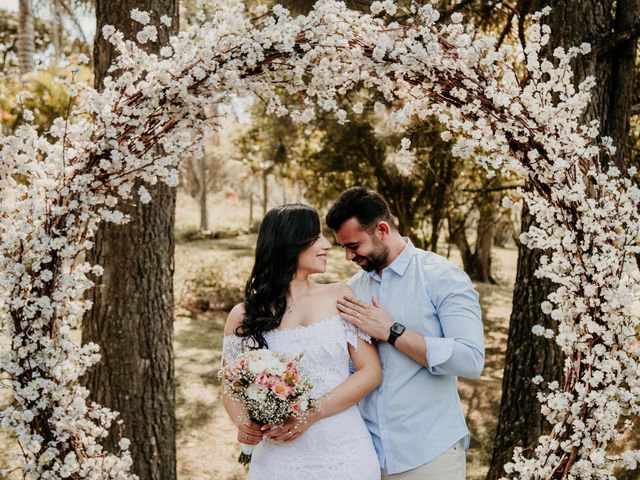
(234, 320)
(338, 290)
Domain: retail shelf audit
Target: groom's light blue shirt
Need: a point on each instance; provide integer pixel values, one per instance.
(415, 414)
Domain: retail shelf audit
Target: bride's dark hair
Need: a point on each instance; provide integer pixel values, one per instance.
(286, 231)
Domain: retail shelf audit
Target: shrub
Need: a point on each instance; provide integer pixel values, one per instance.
(218, 285)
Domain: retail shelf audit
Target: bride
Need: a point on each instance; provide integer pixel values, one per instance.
(284, 311)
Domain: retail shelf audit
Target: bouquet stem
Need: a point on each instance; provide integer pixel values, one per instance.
(245, 455)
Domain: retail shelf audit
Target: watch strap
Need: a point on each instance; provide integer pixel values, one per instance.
(393, 335)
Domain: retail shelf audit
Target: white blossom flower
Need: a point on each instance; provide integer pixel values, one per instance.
(141, 17)
(148, 33)
(537, 330)
(145, 196)
(456, 17)
(108, 31)
(376, 7)
(124, 444)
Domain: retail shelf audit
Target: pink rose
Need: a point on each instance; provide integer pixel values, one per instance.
(272, 381)
(262, 379)
(282, 391)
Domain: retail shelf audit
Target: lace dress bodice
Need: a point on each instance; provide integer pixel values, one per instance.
(337, 447)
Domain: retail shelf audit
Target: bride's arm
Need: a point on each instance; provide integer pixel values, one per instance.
(364, 380)
(367, 376)
(248, 432)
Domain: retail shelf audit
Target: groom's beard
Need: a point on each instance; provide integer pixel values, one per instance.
(375, 260)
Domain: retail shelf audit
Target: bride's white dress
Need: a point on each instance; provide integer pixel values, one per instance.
(338, 447)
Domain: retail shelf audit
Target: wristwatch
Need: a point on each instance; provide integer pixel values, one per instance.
(395, 331)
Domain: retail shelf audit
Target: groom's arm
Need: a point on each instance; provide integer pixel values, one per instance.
(460, 350)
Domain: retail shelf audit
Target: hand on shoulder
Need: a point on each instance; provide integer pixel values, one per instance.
(234, 320)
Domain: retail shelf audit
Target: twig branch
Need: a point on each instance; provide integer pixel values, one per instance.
(493, 189)
(607, 43)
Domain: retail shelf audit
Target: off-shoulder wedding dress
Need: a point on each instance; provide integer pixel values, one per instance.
(334, 448)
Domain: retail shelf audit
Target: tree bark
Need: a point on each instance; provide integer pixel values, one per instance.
(56, 30)
(250, 210)
(520, 420)
(132, 315)
(202, 194)
(26, 37)
(484, 242)
(623, 66)
(265, 192)
(572, 22)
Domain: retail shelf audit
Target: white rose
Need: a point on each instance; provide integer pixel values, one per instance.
(254, 392)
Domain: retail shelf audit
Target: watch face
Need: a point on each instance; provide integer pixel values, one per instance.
(397, 328)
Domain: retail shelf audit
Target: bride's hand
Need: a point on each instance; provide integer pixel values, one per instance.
(291, 429)
(249, 433)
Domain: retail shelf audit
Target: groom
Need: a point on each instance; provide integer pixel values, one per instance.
(425, 314)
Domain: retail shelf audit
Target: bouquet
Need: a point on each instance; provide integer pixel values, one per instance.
(270, 387)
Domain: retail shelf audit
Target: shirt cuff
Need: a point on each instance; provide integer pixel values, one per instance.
(439, 350)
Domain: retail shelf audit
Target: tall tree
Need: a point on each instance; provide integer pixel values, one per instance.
(26, 37)
(56, 30)
(132, 315)
(612, 29)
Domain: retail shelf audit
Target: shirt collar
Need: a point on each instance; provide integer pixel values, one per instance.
(401, 262)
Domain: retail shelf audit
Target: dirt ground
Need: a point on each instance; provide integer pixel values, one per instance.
(206, 438)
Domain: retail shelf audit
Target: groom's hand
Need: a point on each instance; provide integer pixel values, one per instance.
(249, 433)
(371, 319)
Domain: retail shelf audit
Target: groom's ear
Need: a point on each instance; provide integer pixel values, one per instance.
(383, 228)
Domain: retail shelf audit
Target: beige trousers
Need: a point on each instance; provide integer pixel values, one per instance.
(449, 465)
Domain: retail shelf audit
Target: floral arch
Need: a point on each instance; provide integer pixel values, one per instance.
(57, 188)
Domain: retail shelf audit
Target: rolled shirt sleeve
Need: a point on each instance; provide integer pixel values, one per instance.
(460, 350)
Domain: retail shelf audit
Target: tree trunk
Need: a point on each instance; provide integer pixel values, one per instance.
(623, 69)
(56, 31)
(572, 22)
(132, 315)
(285, 186)
(476, 263)
(520, 420)
(458, 237)
(484, 243)
(202, 184)
(487, 217)
(436, 224)
(250, 210)
(265, 192)
(26, 40)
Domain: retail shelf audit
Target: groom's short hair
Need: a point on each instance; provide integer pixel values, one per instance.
(367, 206)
